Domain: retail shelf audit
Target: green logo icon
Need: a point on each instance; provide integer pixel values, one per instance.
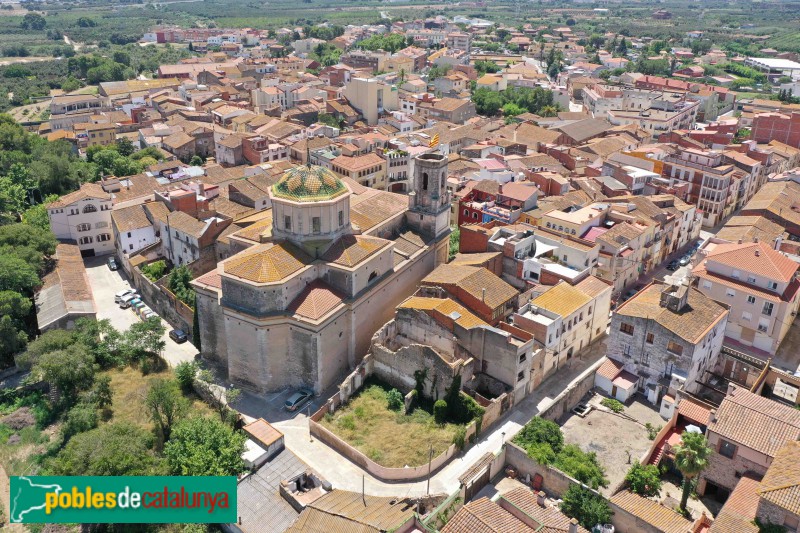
(122, 499)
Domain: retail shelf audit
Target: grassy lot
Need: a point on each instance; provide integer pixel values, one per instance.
(130, 388)
(388, 437)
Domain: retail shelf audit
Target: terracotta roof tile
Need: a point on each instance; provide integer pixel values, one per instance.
(695, 411)
(663, 518)
(446, 308)
(610, 369)
(549, 517)
(315, 301)
(739, 511)
(351, 250)
(211, 279)
(475, 281)
(756, 258)
(267, 264)
(691, 323)
(485, 516)
(262, 432)
(756, 422)
(87, 190)
(563, 299)
(130, 218)
(781, 483)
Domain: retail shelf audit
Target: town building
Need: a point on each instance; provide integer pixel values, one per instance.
(303, 298)
(665, 336)
(760, 286)
(84, 217)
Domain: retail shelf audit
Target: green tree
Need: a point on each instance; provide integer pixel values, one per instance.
(196, 161)
(205, 447)
(33, 21)
(70, 370)
(455, 240)
(440, 411)
(116, 449)
(17, 275)
(125, 146)
(143, 338)
(79, 419)
(180, 284)
(512, 110)
(587, 507)
(12, 341)
(185, 373)
(540, 430)
(644, 480)
(102, 396)
(166, 405)
(14, 305)
(691, 458)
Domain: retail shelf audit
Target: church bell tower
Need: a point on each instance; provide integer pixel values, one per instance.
(429, 201)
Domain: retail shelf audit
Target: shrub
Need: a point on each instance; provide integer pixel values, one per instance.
(539, 430)
(155, 270)
(585, 506)
(80, 419)
(644, 480)
(394, 400)
(184, 374)
(581, 465)
(542, 453)
(440, 411)
(459, 437)
(615, 405)
(652, 431)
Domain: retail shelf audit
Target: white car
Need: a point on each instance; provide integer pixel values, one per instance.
(122, 294)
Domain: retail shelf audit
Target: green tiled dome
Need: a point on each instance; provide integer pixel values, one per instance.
(309, 183)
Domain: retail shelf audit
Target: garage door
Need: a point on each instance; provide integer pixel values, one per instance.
(89, 252)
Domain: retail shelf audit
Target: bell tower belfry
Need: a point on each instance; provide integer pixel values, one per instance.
(429, 201)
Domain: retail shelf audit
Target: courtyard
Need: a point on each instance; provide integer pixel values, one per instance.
(390, 438)
(618, 439)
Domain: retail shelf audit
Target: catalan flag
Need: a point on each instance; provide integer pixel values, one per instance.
(434, 141)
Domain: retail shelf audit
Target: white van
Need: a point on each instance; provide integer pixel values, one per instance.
(122, 294)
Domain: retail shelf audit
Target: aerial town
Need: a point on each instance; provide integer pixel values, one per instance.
(435, 274)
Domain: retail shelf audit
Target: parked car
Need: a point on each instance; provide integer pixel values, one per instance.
(685, 260)
(126, 301)
(178, 336)
(122, 294)
(297, 399)
(148, 315)
(672, 266)
(112, 263)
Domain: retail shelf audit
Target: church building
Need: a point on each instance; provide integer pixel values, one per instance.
(299, 305)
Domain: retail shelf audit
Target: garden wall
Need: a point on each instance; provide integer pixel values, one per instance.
(163, 302)
(571, 396)
(554, 481)
(381, 472)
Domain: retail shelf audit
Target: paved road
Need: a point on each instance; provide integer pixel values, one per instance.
(105, 284)
(346, 475)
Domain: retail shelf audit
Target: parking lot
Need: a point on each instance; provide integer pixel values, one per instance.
(105, 284)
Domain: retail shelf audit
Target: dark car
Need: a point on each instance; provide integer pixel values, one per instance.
(673, 266)
(178, 336)
(112, 263)
(297, 399)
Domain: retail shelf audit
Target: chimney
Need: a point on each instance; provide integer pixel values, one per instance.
(758, 253)
(540, 498)
(712, 415)
(483, 298)
(573, 525)
(778, 242)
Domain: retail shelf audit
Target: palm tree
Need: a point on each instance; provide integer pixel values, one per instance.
(549, 111)
(691, 458)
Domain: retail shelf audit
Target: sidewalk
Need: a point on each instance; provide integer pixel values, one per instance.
(343, 474)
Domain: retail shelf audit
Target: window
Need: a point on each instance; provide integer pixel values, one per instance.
(466, 212)
(772, 285)
(626, 350)
(645, 360)
(316, 225)
(650, 338)
(521, 376)
(727, 449)
(287, 222)
(341, 218)
(103, 237)
(747, 316)
(85, 240)
(730, 293)
(522, 358)
(83, 227)
(735, 274)
(751, 299)
(767, 310)
(751, 279)
(675, 348)
(90, 209)
(424, 181)
(706, 284)
(626, 328)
